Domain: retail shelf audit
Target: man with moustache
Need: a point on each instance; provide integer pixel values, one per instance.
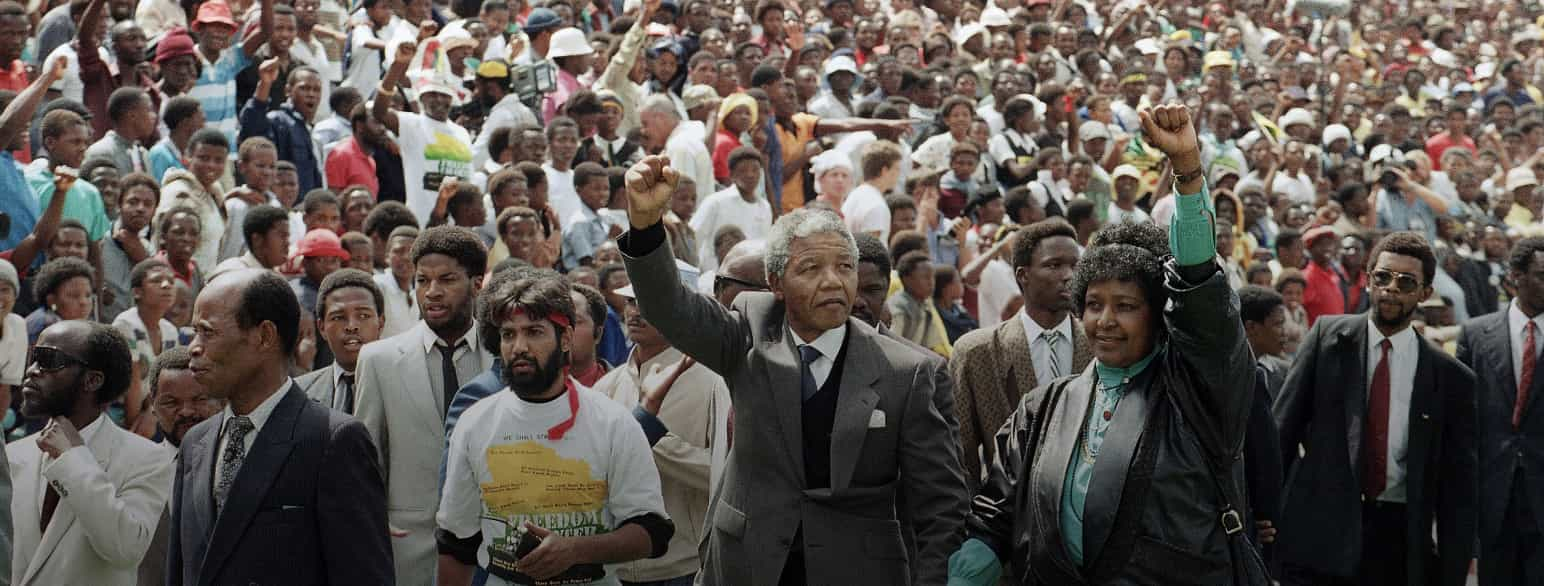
(1377, 429)
(809, 494)
(178, 402)
(349, 313)
(575, 440)
(993, 368)
(274, 477)
(100, 488)
(407, 383)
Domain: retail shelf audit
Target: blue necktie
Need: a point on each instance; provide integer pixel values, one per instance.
(807, 356)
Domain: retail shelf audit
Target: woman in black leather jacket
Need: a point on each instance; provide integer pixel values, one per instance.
(1107, 477)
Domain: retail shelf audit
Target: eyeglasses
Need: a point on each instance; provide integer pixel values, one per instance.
(1403, 282)
(49, 359)
(721, 281)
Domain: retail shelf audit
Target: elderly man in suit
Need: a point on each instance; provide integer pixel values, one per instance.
(1377, 430)
(408, 381)
(178, 402)
(993, 368)
(88, 493)
(835, 419)
(1503, 349)
(350, 312)
(276, 489)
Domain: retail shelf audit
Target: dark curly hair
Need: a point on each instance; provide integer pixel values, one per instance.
(1032, 235)
(595, 303)
(1523, 253)
(387, 216)
(108, 351)
(487, 326)
(268, 297)
(140, 271)
(345, 278)
(56, 273)
(1128, 252)
(173, 359)
(460, 244)
(872, 251)
(536, 293)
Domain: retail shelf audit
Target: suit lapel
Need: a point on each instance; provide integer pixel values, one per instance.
(784, 395)
(198, 493)
(1352, 349)
(1082, 354)
(329, 389)
(1423, 402)
(1063, 426)
(101, 447)
(854, 404)
(413, 368)
(270, 449)
(1115, 455)
(1021, 368)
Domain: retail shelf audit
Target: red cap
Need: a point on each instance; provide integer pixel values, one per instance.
(320, 242)
(214, 12)
(1317, 233)
(176, 43)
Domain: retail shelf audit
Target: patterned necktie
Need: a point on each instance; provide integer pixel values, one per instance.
(1530, 358)
(1051, 337)
(807, 356)
(235, 451)
(1375, 443)
(347, 383)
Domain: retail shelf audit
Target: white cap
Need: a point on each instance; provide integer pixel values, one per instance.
(1336, 132)
(568, 42)
(1126, 171)
(1295, 116)
(1148, 46)
(841, 63)
(1444, 58)
(1520, 177)
(995, 16)
(1091, 130)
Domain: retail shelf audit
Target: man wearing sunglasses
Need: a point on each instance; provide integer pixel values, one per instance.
(100, 489)
(1385, 421)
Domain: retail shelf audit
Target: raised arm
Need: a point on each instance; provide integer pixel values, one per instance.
(255, 40)
(89, 31)
(18, 115)
(698, 325)
(382, 109)
(632, 43)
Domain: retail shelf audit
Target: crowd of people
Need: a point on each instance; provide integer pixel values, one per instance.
(522, 291)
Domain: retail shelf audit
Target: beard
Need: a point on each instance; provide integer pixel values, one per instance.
(541, 377)
(47, 404)
(1383, 318)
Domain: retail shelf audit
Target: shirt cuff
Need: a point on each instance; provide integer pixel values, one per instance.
(653, 428)
(1192, 236)
(639, 243)
(974, 564)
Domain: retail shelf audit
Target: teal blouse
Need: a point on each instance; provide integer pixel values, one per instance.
(1112, 382)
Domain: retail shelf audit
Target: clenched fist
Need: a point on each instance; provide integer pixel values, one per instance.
(650, 184)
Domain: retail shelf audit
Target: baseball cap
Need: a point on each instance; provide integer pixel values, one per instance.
(541, 19)
(1126, 171)
(320, 242)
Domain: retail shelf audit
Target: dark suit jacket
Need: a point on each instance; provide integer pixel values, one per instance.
(888, 437)
(307, 507)
(1486, 346)
(1322, 408)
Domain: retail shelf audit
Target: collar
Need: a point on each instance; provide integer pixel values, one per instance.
(337, 375)
(829, 342)
(260, 414)
(1033, 330)
(89, 432)
(430, 340)
(1515, 318)
(669, 356)
(1111, 376)
(1400, 339)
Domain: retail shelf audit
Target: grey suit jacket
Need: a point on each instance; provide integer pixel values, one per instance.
(888, 438)
(320, 384)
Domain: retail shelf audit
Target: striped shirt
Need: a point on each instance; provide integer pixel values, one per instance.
(215, 89)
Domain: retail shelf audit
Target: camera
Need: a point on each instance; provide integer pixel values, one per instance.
(533, 81)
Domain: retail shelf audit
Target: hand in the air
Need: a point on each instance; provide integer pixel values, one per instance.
(1168, 128)
(650, 184)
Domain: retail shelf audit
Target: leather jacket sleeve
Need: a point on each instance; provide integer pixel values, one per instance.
(996, 504)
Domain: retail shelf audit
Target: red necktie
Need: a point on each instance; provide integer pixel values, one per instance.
(1525, 382)
(1375, 443)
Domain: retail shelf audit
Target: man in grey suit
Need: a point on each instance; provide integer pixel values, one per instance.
(276, 489)
(350, 312)
(835, 419)
(178, 402)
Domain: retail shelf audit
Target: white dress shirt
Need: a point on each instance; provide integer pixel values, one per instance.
(1402, 361)
(1515, 322)
(401, 310)
(1040, 351)
(258, 416)
(467, 357)
(829, 344)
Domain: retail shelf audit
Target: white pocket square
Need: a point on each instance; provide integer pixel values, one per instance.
(876, 419)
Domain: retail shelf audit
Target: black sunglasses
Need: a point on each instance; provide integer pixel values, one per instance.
(49, 359)
(721, 281)
(1403, 282)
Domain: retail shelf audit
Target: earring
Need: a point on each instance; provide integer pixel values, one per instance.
(54, 307)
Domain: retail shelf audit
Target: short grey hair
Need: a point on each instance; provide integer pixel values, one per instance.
(802, 223)
(661, 104)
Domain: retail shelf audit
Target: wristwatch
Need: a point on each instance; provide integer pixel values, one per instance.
(1187, 177)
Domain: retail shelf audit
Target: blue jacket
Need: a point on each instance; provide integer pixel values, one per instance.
(290, 134)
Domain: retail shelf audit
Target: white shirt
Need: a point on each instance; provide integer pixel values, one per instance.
(1299, 188)
(1402, 360)
(1516, 322)
(466, 355)
(728, 208)
(865, 210)
(689, 155)
(508, 113)
(562, 196)
(1040, 351)
(996, 289)
(401, 313)
(431, 150)
(258, 416)
(1135, 216)
(13, 350)
(829, 343)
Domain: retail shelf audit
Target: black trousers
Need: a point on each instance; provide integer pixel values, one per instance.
(1516, 556)
(1384, 529)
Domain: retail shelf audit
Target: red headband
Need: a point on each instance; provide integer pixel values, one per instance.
(553, 317)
